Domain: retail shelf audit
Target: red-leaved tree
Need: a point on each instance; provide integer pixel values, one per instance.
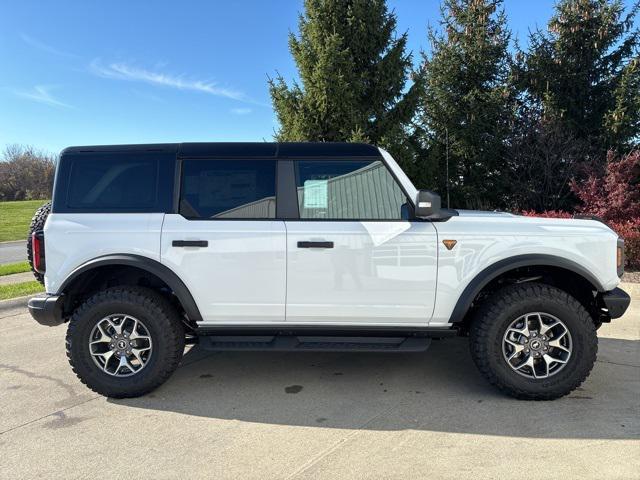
(614, 197)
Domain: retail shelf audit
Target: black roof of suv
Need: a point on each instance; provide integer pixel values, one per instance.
(243, 149)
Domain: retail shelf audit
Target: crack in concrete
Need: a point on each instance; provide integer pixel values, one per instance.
(68, 388)
(620, 364)
(57, 413)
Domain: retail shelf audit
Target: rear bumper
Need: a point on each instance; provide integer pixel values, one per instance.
(617, 301)
(47, 310)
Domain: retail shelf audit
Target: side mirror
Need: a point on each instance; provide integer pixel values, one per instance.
(427, 204)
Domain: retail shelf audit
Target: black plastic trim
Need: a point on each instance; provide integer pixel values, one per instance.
(327, 330)
(493, 271)
(286, 195)
(47, 310)
(315, 244)
(617, 301)
(152, 266)
(190, 243)
(322, 343)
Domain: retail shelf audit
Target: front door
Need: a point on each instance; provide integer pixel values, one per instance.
(354, 256)
(226, 244)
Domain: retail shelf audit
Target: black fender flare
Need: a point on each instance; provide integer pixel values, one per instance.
(493, 271)
(154, 267)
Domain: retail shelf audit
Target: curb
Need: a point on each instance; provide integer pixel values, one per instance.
(632, 289)
(17, 302)
(9, 242)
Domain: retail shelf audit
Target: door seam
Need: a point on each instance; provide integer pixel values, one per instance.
(286, 268)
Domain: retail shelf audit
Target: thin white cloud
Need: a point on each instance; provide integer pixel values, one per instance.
(44, 47)
(41, 94)
(241, 111)
(123, 71)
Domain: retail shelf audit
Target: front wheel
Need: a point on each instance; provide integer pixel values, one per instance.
(533, 341)
(125, 341)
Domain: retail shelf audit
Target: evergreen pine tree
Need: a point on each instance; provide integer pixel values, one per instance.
(467, 109)
(584, 72)
(353, 74)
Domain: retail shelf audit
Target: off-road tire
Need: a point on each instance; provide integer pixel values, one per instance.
(37, 223)
(503, 307)
(159, 317)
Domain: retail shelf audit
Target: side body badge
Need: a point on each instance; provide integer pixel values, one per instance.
(449, 243)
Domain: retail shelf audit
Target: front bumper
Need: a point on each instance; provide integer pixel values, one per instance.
(617, 301)
(47, 310)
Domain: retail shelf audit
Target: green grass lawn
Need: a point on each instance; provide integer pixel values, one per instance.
(11, 268)
(15, 218)
(20, 289)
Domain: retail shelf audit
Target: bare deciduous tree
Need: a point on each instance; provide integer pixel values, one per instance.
(544, 160)
(26, 173)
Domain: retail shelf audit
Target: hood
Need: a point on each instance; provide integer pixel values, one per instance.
(503, 222)
(484, 213)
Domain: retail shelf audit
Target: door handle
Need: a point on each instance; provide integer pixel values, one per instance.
(315, 244)
(190, 243)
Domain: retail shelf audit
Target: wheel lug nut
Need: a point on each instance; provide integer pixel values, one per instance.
(526, 350)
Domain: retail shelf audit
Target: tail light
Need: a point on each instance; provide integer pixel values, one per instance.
(37, 245)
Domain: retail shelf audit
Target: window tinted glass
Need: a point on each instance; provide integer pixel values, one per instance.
(113, 182)
(228, 189)
(343, 190)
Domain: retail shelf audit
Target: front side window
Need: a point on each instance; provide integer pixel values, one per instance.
(228, 189)
(348, 190)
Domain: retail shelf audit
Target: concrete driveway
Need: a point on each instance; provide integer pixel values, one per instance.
(11, 252)
(296, 415)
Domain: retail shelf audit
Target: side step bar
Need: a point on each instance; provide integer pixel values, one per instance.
(287, 343)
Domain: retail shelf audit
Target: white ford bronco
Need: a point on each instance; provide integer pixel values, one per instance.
(307, 247)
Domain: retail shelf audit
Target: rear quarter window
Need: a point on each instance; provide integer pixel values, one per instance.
(115, 182)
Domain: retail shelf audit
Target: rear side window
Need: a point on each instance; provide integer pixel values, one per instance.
(113, 183)
(228, 189)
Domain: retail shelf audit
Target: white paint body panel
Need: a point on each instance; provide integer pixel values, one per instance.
(72, 239)
(378, 273)
(240, 276)
(485, 238)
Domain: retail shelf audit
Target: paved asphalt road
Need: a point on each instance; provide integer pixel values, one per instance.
(296, 415)
(11, 252)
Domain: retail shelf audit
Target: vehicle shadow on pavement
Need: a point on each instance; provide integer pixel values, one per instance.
(438, 390)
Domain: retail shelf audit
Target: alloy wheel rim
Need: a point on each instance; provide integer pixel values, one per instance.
(537, 345)
(120, 345)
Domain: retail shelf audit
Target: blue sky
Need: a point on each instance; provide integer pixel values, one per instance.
(84, 72)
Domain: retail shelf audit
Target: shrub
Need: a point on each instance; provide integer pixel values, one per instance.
(547, 214)
(630, 231)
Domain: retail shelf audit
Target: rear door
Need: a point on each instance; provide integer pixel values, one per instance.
(225, 242)
(354, 255)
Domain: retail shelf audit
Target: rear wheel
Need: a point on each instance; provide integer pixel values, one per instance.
(125, 341)
(37, 223)
(534, 341)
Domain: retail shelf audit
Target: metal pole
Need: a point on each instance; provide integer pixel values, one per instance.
(447, 155)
